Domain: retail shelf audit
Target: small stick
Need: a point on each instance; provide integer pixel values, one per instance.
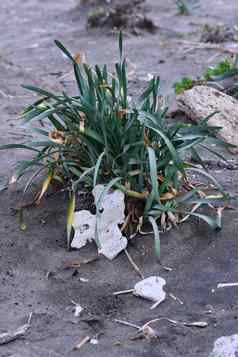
(175, 298)
(226, 285)
(134, 264)
(123, 292)
(5, 95)
(127, 324)
(82, 343)
(155, 304)
(10, 336)
(125, 224)
(167, 268)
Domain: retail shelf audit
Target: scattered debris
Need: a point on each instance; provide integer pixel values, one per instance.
(202, 101)
(145, 331)
(112, 214)
(226, 285)
(126, 323)
(129, 291)
(82, 343)
(149, 333)
(167, 268)
(10, 336)
(217, 34)
(5, 95)
(152, 289)
(225, 346)
(189, 46)
(78, 309)
(201, 324)
(94, 341)
(84, 280)
(74, 264)
(122, 16)
(90, 260)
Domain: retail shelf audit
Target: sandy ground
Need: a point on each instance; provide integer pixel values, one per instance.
(199, 258)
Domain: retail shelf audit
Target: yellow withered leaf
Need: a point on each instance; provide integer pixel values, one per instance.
(80, 58)
(70, 217)
(167, 196)
(122, 112)
(57, 137)
(146, 140)
(45, 185)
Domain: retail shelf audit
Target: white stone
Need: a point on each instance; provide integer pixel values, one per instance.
(225, 346)
(151, 288)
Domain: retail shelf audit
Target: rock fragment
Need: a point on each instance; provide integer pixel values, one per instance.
(225, 346)
(201, 101)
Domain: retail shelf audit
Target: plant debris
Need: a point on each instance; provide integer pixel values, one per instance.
(78, 309)
(12, 335)
(150, 334)
(127, 16)
(217, 34)
(226, 285)
(82, 343)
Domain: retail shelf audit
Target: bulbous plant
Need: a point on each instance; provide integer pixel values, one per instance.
(101, 136)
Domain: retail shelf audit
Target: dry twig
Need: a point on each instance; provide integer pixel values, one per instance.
(134, 264)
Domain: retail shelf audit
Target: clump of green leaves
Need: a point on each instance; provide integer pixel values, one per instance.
(184, 84)
(227, 68)
(100, 136)
(182, 8)
(220, 70)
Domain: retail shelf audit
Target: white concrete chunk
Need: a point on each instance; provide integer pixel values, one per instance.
(84, 226)
(225, 346)
(151, 288)
(113, 213)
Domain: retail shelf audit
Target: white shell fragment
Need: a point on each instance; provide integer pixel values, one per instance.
(112, 214)
(152, 289)
(78, 310)
(226, 346)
